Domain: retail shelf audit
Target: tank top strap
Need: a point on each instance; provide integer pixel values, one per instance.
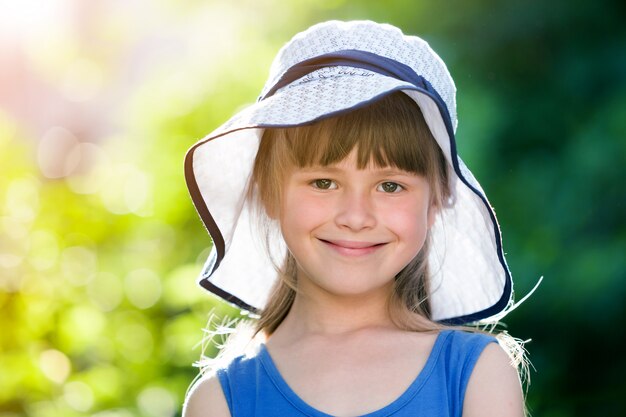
(459, 355)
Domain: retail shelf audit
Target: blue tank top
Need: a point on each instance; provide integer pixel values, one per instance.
(254, 387)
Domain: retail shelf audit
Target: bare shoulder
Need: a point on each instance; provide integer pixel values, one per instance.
(494, 388)
(205, 399)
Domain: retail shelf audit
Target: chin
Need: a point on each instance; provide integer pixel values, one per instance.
(357, 288)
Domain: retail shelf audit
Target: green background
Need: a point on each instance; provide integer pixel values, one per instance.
(100, 245)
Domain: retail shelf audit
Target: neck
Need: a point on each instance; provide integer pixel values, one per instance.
(330, 315)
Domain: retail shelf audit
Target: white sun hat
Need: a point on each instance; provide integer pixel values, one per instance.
(329, 69)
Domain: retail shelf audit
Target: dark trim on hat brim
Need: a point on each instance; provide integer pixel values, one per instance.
(502, 303)
(201, 208)
(226, 296)
(218, 239)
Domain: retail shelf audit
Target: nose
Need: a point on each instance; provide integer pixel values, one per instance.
(355, 211)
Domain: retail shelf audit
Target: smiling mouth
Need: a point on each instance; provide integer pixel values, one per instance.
(352, 248)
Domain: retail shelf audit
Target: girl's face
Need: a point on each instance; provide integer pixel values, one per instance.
(352, 230)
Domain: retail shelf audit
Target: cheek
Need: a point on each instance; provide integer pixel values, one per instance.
(408, 218)
(299, 214)
(308, 209)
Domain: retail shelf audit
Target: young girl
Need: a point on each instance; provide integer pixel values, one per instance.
(342, 216)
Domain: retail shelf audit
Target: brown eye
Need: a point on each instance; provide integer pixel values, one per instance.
(390, 187)
(324, 184)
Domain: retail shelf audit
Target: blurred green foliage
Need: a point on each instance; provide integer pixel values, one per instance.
(100, 314)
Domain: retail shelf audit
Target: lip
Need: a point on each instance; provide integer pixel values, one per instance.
(351, 247)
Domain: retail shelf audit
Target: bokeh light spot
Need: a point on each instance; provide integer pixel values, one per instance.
(181, 339)
(10, 260)
(143, 288)
(92, 170)
(55, 365)
(156, 402)
(105, 380)
(58, 154)
(80, 328)
(44, 250)
(181, 289)
(105, 291)
(78, 264)
(78, 395)
(22, 200)
(127, 190)
(135, 342)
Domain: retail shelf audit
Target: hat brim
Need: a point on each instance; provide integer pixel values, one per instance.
(470, 280)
